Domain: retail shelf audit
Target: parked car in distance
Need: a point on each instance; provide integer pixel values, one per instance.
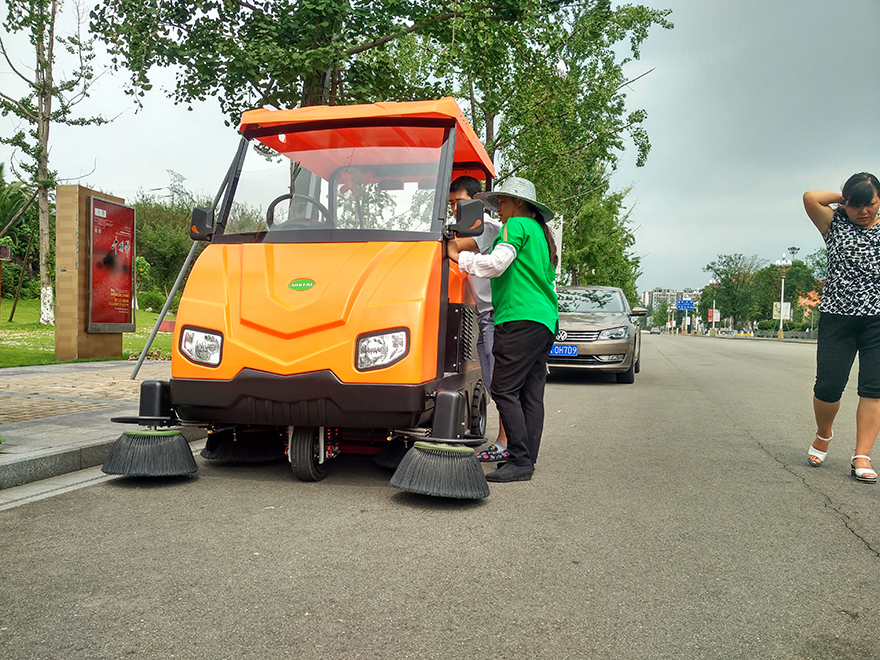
(655, 330)
(598, 330)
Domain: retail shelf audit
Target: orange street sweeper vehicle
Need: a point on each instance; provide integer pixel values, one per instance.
(324, 316)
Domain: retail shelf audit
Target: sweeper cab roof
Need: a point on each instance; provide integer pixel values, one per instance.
(329, 133)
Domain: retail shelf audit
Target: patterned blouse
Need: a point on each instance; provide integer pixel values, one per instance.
(853, 284)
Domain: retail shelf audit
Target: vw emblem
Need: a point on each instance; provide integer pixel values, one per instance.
(562, 335)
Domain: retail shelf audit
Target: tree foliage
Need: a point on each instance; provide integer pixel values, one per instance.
(660, 316)
(552, 108)
(285, 53)
(735, 293)
(47, 100)
(162, 239)
(746, 288)
(18, 226)
(799, 282)
(597, 246)
(818, 263)
(541, 80)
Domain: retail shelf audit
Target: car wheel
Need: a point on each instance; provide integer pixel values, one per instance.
(638, 363)
(628, 376)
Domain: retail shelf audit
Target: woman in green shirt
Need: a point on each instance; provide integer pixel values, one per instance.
(522, 270)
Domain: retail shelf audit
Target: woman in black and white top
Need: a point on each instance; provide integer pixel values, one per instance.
(850, 314)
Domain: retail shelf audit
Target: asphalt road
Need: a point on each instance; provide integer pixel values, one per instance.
(672, 518)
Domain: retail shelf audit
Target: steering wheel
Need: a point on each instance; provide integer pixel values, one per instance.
(270, 212)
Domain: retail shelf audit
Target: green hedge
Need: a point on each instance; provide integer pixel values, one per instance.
(30, 287)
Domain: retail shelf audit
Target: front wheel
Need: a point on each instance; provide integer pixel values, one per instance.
(628, 376)
(304, 450)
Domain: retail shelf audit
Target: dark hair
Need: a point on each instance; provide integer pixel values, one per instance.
(860, 189)
(467, 183)
(548, 234)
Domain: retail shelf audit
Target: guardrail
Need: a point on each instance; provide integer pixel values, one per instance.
(788, 335)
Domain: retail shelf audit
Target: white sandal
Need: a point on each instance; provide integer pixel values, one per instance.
(818, 454)
(861, 474)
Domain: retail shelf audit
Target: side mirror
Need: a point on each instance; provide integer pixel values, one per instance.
(202, 226)
(468, 218)
(639, 311)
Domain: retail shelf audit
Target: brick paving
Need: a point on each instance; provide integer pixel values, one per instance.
(24, 397)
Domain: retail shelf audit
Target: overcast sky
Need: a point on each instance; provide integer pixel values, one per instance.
(751, 102)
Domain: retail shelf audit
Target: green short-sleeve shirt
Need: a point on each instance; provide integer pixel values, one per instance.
(525, 291)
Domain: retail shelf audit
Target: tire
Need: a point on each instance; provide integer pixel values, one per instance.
(479, 413)
(304, 448)
(628, 376)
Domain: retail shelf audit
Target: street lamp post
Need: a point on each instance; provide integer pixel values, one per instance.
(783, 265)
(713, 283)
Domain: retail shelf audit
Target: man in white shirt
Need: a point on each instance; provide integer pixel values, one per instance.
(465, 187)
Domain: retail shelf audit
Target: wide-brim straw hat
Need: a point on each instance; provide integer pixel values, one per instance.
(515, 187)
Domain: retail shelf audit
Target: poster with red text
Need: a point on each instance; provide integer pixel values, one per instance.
(111, 268)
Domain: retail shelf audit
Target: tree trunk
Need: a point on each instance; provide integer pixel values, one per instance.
(45, 60)
(490, 134)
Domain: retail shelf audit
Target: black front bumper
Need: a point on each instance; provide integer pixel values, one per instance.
(313, 399)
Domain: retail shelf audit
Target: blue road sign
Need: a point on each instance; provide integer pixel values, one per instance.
(684, 304)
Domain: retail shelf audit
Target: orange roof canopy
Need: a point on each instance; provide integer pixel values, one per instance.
(337, 135)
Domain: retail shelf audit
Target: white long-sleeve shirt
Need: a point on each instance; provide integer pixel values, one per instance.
(487, 265)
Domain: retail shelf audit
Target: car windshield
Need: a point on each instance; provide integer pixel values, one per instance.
(590, 300)
(338, 180)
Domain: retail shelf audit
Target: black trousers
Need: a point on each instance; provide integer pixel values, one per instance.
(521, 349)
(840, 338)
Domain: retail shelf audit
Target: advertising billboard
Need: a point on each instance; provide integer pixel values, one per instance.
(111, 271)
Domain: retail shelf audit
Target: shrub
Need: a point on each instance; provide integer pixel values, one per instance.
(151, 299)
(30, 286)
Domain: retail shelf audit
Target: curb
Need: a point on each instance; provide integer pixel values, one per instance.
(43, 464)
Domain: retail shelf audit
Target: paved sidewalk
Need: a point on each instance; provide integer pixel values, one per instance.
(55, 419)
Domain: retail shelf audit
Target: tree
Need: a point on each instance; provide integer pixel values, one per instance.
(18, 223)
(818, 263)
(735, 293)
(288, 53)
(661, 316)
(562, 125)
(162, 238)
(556, 93)
(47, 101)
(597, 246)
(799, 282)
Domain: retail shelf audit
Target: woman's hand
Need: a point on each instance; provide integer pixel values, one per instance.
(817, 204)
(452, 250)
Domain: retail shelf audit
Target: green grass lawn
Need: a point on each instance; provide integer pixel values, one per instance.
(25, 342)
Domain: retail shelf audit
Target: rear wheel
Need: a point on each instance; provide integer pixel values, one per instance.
(479, 415)
(305, 448)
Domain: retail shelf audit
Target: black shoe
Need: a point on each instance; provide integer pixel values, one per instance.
(500, 465)
(511, 472)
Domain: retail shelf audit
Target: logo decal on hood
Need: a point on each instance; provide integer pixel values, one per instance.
(301, 284)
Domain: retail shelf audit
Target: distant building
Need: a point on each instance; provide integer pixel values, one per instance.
(656, 297)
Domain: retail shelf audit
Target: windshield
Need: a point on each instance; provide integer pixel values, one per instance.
(328, 180)
(590, 300)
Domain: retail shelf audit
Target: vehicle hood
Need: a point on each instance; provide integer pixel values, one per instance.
(592, 320)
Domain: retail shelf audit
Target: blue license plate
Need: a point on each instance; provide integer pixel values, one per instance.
(567, 350)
